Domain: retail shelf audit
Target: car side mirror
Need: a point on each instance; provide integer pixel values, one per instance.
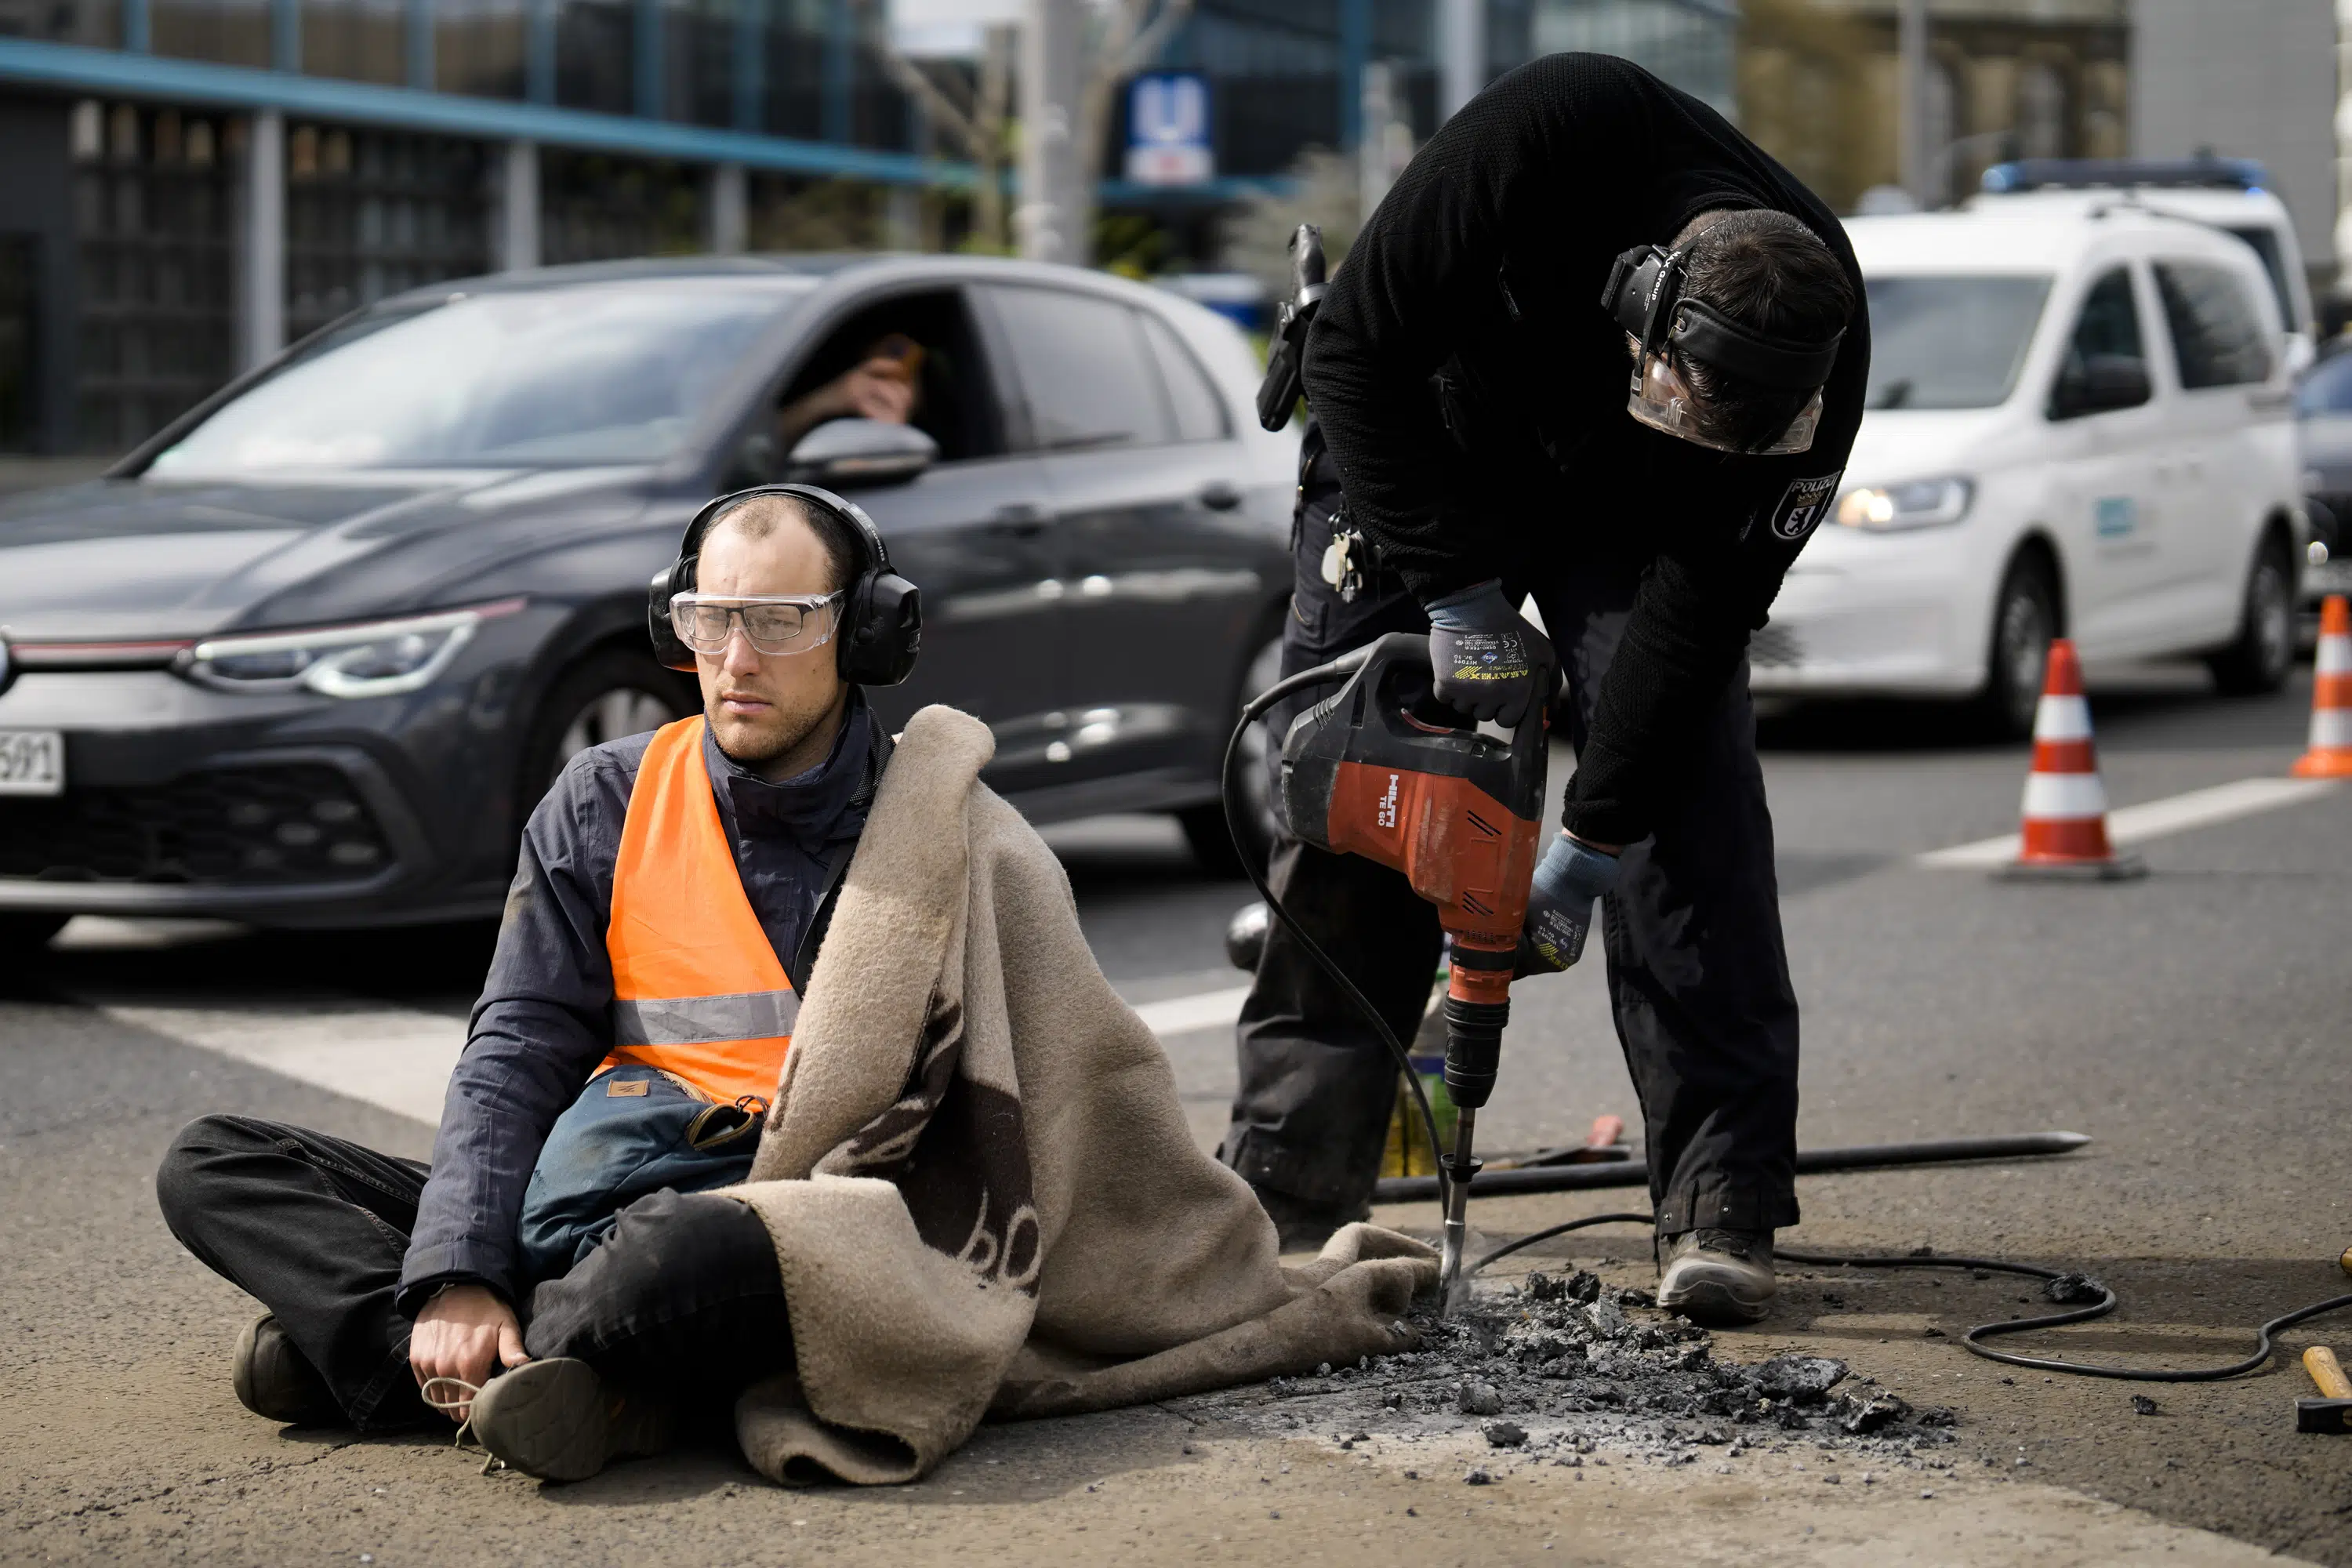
(843, 454)
(2101, 383)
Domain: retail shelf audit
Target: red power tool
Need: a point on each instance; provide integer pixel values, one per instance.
(1383, 769)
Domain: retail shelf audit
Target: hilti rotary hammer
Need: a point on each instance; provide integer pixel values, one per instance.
(1383, 769)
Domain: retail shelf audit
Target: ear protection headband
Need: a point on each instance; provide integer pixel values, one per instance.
(881, 627)
(1645, 298)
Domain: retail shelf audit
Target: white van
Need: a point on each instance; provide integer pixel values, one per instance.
(2078, 425)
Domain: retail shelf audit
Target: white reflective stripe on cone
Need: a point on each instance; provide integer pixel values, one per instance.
(2063, 719)
(2331, 729)
(2335, 657)
(2058, 795)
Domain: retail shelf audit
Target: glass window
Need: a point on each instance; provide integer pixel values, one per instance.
(553, 377)
(2107, 335)
(1082, 366)
(1952, 342)
(1200, 412)
(2217, 339)
(2328, 389)
(2265, 242)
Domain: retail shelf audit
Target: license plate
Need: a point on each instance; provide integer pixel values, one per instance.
(2331, 578)
(32, 761)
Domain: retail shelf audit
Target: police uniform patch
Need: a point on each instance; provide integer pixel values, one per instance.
(1803, 505)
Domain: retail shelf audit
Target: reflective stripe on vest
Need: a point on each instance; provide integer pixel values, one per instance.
(698, 991)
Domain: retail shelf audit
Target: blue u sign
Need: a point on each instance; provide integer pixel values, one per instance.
(1168, 128)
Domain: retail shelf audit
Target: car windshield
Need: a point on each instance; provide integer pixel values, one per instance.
(605, 372)
(1952, 342)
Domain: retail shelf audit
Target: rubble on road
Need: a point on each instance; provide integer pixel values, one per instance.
(1560, 1367)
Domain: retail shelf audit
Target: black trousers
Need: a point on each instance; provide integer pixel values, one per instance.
(682, 1299)
(1698, 977)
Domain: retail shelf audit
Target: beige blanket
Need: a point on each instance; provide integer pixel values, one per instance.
(983, 1192)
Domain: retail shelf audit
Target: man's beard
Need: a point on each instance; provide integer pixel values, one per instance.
(756, 745)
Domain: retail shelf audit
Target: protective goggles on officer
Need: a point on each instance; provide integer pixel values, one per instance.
(1645, 297)
(774, 623)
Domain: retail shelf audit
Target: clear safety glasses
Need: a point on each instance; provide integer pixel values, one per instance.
(1660, 398)
(775, 623)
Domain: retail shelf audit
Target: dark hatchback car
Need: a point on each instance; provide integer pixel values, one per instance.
(311, 655)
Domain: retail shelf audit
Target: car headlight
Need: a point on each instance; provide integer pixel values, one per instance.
(373, 659)
(1921, 504)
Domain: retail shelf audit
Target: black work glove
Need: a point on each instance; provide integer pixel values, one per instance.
(1487, 661)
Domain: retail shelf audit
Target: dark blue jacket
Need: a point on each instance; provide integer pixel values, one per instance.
(545, 1018)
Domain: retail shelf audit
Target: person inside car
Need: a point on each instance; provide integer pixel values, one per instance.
(884, 385)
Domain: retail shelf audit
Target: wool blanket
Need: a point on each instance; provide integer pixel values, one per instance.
(983, 1192)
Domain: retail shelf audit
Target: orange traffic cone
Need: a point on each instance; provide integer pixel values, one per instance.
(2330, 757)
(2065, 810)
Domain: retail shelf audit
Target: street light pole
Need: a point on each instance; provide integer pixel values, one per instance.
(1046, 219)
(1912, 151)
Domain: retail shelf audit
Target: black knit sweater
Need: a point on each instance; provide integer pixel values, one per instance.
(1483, 268)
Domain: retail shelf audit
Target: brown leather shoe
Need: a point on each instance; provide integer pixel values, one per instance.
(274, 1379)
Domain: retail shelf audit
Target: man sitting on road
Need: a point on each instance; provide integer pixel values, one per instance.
(658, 1023)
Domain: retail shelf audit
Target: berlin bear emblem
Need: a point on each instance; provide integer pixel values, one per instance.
(1803, 505)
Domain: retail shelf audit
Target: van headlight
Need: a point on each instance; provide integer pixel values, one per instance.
(368, 658)
(1920, 503)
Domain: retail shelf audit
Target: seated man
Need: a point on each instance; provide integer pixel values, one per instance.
(884, 385)
(346, 1245)
(973, 1185)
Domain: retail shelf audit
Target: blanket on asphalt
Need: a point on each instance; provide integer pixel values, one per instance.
(981, 1190)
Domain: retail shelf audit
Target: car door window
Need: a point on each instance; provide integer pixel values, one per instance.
(2107, 333)
(1200, 413)
(2216, 338)
(953, 405)
(1084, 370)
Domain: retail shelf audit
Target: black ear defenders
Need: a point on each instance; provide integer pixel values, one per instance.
(1645, 298)
(881, 626)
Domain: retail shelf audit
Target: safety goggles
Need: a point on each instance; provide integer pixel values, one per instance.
(1660, 398)
(774, 623)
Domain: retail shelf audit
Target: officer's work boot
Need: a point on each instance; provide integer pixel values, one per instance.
(274, 1379)
(559, 1421)
(1716, 1278)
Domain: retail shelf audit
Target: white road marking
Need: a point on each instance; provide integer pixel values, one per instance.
(394, 1057)
(400, 1059)
(2155, 818)
(1208, 1010)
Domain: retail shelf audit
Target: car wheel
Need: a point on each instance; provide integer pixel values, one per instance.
(1205, 829)
(2024, 620)
(602, 697)
(2259, 659)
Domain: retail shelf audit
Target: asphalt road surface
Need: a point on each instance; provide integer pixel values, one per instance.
(2194, 1023)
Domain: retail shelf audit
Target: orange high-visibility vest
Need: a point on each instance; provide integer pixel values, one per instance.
(698, 991)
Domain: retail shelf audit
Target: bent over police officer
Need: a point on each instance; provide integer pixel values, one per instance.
(1595, 349)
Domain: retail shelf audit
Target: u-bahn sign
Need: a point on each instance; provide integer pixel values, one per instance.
(1168, 128)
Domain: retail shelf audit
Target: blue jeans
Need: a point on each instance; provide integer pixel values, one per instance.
(682, 1299)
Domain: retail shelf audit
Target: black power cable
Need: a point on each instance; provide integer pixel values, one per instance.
(2059, 1284)
(1251, 712)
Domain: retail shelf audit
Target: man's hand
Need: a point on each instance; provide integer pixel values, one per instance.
(1559, 907)
(464, 1332)
(1486, 660)
(877, 389)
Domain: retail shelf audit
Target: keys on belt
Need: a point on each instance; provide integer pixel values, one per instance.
(1345, 561)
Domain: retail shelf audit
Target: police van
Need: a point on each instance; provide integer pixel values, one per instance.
(2079, 424)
